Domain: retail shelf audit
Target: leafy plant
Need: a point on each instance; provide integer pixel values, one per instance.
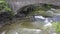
(56, 25)
(4, 6)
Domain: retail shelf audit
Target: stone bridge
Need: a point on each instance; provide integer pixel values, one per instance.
(16, 4)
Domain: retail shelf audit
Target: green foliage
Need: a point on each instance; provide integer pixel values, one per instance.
(4, 6)
(56, 25)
